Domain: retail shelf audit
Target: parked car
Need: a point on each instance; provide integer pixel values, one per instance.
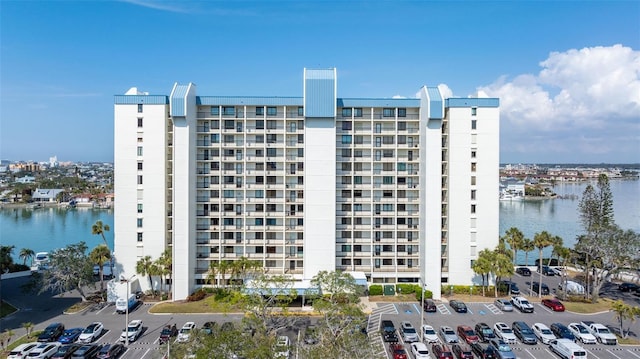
(567, 349)
(283, 347)
(523, 271)
(503, 349)
(70, 335)
(553, 304)
(628, 287)
(109, 351)
(467, 334)
(522, 304)
(51, 333)
(44, 351)
(388, 331)
(484, 332)
(185, 332)
(543, 333)
(562, 331)
(537, 287)
(524, 333)
(168, 332)
(448, 335)
(462, 352)
(420, 351)
(484, 351)
(504, 332)
(22, 350)
(508, 287)
(91, 333)
(409, 333)
(429, 334)
(65, 351)
(582, 333)
(133, 331)
(441, 351)
(87, 351)
(546, 270)
(504, 305)
(458, 306)
(397, 351)
(601, 332)
(430, 306)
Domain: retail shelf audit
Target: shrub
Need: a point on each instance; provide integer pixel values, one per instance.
(197, 295)
(408, 288)
(375, 289)
(427, 294)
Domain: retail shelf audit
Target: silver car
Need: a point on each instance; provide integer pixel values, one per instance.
(504, 305)
(448, 335)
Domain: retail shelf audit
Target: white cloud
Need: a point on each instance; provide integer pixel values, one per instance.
(581, 100)
(158, 5)
(445, 91)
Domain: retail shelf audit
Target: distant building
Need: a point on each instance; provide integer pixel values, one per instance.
(399, 190)
(46, 195)
(26, 179)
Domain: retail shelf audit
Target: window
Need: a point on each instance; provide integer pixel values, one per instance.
(229, 124)
(387, 112)
(473, 111)
(346, 152)
(139, 139)
(259, 221)
(139, 121)
(259, 111)
(357, 112)
(272, 138)
(272, 111)
(346, 125)
(387, 180)
(358, 139)
(139, 166)
(357, 179)
(215, 111)
(402, 125)
(378, 155)
(402, 166)
(473, 154)
(139, 108)
(139, 222)
(473, 180)
(272, 124)
(473, 167)
(387, 261)
(346, 139)
(346, 112)
(271, 152)
(473, 194)
(139, 207)
(378, 128)
(228, 110)
(259, 125)
(300, 152)
(300, 136)
(387, 166)
(474, 124)
(402, 112)
(357, 207)
(139, 150)
(300, 111)
(346, 248)
(473, 208)
(215, 138)
(346, 261)
(259, 193)
(139, 237)
(378, 141)
(139, 179)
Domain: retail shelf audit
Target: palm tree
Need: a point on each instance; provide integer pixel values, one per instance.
(164, 267)
(26, 254)
(501, 267)
(28, 326)
(98, 256)
(144, 268)
(541, 241)
(5, 258)
(482, 266)
(98, 229)
(514, 238)
(557, 244)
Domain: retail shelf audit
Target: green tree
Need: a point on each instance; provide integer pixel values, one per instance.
(98, 229)
(98, 257)
(482, 266)
(28, 326)
(164, 264)
(541, 241)
(623, 312)
(515, 238)
(26, 254)
(556, 243)
(6, 260)
(70, 269)
(145, 267)
(267, 301)
(500, 265)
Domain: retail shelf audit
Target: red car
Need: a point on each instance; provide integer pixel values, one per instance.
(467, 334)
(553, 304)
(397, 351)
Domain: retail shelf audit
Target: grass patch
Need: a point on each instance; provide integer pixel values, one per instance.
(207, 305)
(78, 307)
(602, 305)
(628, 341)
(6, 309)
(393, 298)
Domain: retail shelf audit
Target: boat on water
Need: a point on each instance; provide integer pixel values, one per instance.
(40, 261)
(506, 196)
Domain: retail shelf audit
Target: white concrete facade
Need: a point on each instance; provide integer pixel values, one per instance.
(383, 188)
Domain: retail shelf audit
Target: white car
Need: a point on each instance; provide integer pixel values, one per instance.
(409, 333)
(420, 351)
(91, 333)
(602, 333)
(134, 329)
(282, 347)
(543, 333)
(44, 351)
(22, 350)
(448, 335)
(429, 334)
(185, 332)
(504, 332)
(582, 333)
(504, 305)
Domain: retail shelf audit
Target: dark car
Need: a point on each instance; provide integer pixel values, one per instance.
(429, 306)
(168, 332)
(208, 327)
(110, 351)
(388, 331)
(65, 351)
(524, 332)
(628, 287)
(86, 351)
(458, 306)
(546, 270)
(70, 335)
(508, 287)
(484, 332)
(523, 271)
(51, 333)
(441, 351)
(562, 331)
(484, 351)
(536, 287)
(462, 352)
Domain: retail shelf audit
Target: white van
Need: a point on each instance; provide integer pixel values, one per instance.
(122, 304)
(567, 349)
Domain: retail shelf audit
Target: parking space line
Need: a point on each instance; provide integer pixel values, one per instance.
(493, 309)
(416, 307)
(591, 353)
(443, 309)
(528, 352)
(610, 352)
(469, 310)
(632, 353)
(545, 308)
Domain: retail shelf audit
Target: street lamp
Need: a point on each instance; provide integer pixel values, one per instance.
(123, 279)
(422, 309)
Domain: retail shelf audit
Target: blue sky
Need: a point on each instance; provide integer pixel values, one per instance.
(567, 73)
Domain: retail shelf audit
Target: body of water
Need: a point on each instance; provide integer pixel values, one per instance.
(46, 229)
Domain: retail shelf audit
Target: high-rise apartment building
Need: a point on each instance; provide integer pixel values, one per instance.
(402, 190)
